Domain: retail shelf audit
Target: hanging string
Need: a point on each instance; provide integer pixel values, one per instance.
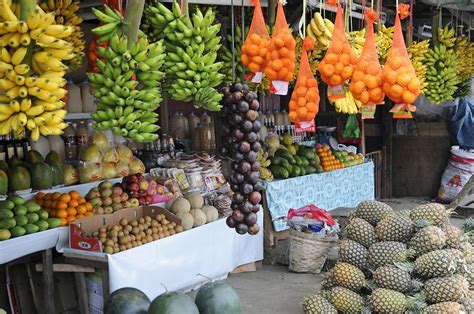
(302, 23)
(242, 10)
(232, 23)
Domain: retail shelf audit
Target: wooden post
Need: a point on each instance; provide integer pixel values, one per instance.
(462, 194)
(48, 281)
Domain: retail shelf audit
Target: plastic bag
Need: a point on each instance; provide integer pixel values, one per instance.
(304, 102)
(254, 49)
(280, 58)
(459, 170)
(338, 64)
(400, 82)
(366, 84)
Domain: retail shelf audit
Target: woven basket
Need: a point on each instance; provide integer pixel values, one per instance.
(309, 251)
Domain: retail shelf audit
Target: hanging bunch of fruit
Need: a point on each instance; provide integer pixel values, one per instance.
(32, 70)
(225, 55)
(315, 55)
(347, 104)
(65, 13)
(383, 41)
(241, 143)
(464, 51)
(127, 86)
(417, 52)
(320, 30)
(192, 44)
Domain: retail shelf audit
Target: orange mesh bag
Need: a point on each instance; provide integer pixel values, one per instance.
(366, 84)
(304, 102)
(254, 49)
(400, 82)
(338, 64)
(280, 58)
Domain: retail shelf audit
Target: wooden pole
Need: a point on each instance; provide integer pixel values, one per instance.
(48, 281)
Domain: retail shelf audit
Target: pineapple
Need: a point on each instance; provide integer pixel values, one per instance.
(453, 236)
(353, 253)
(388, 301)
(394, 228)
(389, 252)
(360, 231)
(346, 301)
(438, 263)
(348, 276)
(468, 302)
(371, 211)
(444, 289)
(428, 239)
(445, 308)
(404, 212)
(393, 278)
(430, 214)
(328, 283)
(317, 304)
(469, 273)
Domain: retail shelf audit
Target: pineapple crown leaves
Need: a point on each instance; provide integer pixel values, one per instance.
(406, 266)
(416, 303)
(469, 225)
(416, 285)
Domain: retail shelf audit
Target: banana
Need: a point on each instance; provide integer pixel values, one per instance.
(19, 55)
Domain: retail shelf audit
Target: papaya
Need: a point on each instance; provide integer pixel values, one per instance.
(18, 178)
(279, 172)
(41, 176)
(21, 220)
(53, 222)
(31, 228)
(17, 231)
(42, 225)
(3, 165)
(33, 156)
(3, 183)
(53, 158)
(7, 223)
(4, 235)
(7, 204)
(6, 213)
(14, 161)
(58, 177)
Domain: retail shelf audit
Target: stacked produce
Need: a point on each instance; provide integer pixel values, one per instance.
(417, 52)
(263, 159)
(315, 56)
(192, 44)
(225, 55)
(464, 49)
(241, 143)
(65, 13)
(347, 104)
(383, 41)
(320, 30)
(192, 211)
(107, 198)
(338, 159)
(31, 84)
(397, 262)
(145, 191)
(19, 217)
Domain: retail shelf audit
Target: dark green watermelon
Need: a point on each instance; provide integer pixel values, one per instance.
(218, 297)
(127, 301)
(53, 158)
(173, 303)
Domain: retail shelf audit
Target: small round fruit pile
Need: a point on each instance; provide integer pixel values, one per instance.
(280, 58)
(366, 83)
(349, 159)
(337, 66)
(328, 160)
(400, 82)
(107, 198)
(67, 206)
(254, 51)
(127, 235)
(304, 103)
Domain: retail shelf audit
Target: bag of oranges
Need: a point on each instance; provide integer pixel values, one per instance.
(366, 84)
(254, 49)
(280, 58)
(304, 102)
(338, 64)
(400, 82)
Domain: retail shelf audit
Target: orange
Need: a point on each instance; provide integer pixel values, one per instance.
(302, 112)
(244, 49)
(65, 198)
(379, 79)
(287, 63)
(346, 48)
(245, 59)
(80, 216)
(301, 102)
(274, 55)
(330, 58)
(263, 52)
(276, 64)
(257, 60)
(255, 38)
(292, 105)
(345, 59)
(386, 88)
(311, 95)
(376, 95)
(347, 72)
(327, 69)
(48, 196)
(40, 202)
(71, 219)
(288, 76)
(74, 195)
(364, 97)
(358, 75)
(391, 77)
(373, 68)
(272, 75)
(56, 196)
(89, 206)
(253, 50)
(402, 70)
(63, 222)
(61, 213)
(81, 209)
(71, 211)
(311, 82)
(89, 214)
(61, 205)
(370, 81)
(253, 67)
(293, 116)
(335, 80)
(312, 107)
(395, 62)
(279, 42)
(47, 203)
(81, 200)
(396, 90)
(362, 65)
(414, 86)
(337, 46)
(408, 97)
(73, 203)
(301, 91)
(40, 195)
(284, 52)
(338, 68)
(54, 204)
(353, 58)
(403, 79)
(357, 87)
(283, 73)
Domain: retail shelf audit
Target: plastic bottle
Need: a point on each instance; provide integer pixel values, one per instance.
(88, 101)
(81, 138)
(74, 99)
(70, 145)
(56, 144)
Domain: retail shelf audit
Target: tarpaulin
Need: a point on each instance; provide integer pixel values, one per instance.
(461, 122)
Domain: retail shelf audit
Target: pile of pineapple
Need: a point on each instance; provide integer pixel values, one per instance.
(398, 262)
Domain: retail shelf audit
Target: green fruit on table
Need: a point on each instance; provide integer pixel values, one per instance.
(42, 225)
(279, 172)
(21, 220)
(127, 300)
(218, 297)
(3, 182)
(5, 234)
(173, 302)
(6, 213)
(41, 176)
(7, 204)
(43, 214)
(17, 231)
(32, 207)
(33, 157)
(17, 200)
(32, 217)
(287, 139)
(53, 222)
(7, 223)
(31, 228)
(20, 210)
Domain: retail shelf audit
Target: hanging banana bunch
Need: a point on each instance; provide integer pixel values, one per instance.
(383, 41)
(65, 12)
(417, 52)
(31, 71)
(225, 55)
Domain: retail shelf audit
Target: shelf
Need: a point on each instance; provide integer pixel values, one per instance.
(78, 116)
(236, 3)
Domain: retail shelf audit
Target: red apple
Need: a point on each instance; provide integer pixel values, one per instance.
(133, 194)
(149, 199)
(133, 187)
(142, 200)
(116, 199)
(142, 193)
(117, 191)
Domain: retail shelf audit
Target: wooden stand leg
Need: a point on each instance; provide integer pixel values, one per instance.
(48, 281)
(105, 284)
(82, 292)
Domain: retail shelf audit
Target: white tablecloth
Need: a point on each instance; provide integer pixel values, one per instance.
(213, 250)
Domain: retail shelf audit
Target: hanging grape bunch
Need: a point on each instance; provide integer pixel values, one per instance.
(241, 143)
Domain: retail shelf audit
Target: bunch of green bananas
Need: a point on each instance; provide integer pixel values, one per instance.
(441, 75)
(446, 36)
(264, 161)
(112, 22)
(126, 105)
(31, 72)
(225, 55)
(192, 45)
(66, 14)
(416, 52)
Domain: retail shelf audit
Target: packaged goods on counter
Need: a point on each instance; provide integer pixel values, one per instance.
(310, 218)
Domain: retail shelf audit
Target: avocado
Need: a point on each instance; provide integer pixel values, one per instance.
(279, 172)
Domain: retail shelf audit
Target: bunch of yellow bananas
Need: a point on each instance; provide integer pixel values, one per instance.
(446, 36)
(31, 83)
(263, 159)
(320, 30)
(464, 51)
(66, 14)
(357, 40)
(383, 41)
(417, 52)
(347, 104)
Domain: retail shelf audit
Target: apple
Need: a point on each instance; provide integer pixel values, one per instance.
(133, 193)
(126, 204)
(142, 193)
(96, 202)
(117, 206)
(116, 199)
(143, 184)
(108, 210)
(117, 190)
(133, 186)
(133, 179)
(99, 210)
(148, 199)
(152, 183)
(139, 176)
(105, 185)
(106, 192)
(124, 197)
(134, 202)
(142, 200)
(106, 201)
(160, 189)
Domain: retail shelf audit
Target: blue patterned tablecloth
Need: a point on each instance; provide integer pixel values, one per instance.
(339, 188)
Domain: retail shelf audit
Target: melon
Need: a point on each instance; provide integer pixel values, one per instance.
(173, 303)
(198, 216)
(187, 220)
(169, 203)
(180, 205)
(218, 297)
(211, 213)
(195, 198)
(127, 301)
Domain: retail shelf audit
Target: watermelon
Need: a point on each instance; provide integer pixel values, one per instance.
(127, 301)
(173, 303)
(218, 297)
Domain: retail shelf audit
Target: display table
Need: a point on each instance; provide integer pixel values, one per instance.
(339, 188)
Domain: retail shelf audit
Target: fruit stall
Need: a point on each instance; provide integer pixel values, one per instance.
(154, 141)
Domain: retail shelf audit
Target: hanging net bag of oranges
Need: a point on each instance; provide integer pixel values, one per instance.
(366, 84)
(304, 102)
(338, 64)
(254, 49)
(400, 82)
(280, 58)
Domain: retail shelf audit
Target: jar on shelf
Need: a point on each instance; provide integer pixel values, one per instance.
(207, 138)
(195, 138)
(88, 101)
(286, 120)
(178, 125)
(193, 121)
(205, 119)
(278, 117)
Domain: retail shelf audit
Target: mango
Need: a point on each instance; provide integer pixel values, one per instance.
(21, 220)
(17, 231)
(5, 234)
(31, 228)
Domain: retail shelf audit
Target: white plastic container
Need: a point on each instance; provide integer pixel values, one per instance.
(74, 98)
(56, 144)
(88, 101)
